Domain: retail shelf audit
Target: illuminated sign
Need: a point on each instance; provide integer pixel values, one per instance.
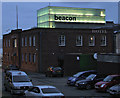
(64, 18)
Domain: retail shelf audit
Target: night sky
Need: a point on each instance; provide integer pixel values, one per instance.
(27, 12)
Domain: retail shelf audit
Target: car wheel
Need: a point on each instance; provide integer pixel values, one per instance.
(5, 88)
(88, 86)
(107, 90)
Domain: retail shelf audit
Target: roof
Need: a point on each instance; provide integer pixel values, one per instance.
(45, 86)
(14, 72)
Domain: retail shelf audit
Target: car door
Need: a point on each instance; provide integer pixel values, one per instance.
(35, 92)
(9, 82)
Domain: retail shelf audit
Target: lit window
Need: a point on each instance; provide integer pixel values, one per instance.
(79, 40)
(22, 42)
(25, 41)
(29, 57)
(25, 57)
(34, 58)
(103, 40)
(15, 43)
(91, 40)
(62, 40)
(30, 41)
(33, 40)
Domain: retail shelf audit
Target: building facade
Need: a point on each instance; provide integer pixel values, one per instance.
(38, 48)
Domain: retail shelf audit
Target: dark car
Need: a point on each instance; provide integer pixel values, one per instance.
(11, 67)
(108, 82)
(79, 76)
(54, 71)
(89, 82)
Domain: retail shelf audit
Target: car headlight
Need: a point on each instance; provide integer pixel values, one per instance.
(102, 85)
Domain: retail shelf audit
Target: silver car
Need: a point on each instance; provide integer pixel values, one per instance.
(17, 82)
(115, 90)
(43, 91)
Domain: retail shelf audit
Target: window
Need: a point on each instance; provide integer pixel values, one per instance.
(78, 40)
(9, 43)
(91, 40)
(25, 41)
(33, 40)
(29, 57)
(6, 42)
(22, 57)
(22, 42)
(62, 40)
(9, 57)
(30, 41)
(34, 58)
(103, 40)
(15, 43)
(25, 57)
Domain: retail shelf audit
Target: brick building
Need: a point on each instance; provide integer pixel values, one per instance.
(36, 49)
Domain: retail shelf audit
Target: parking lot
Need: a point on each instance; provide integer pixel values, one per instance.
(60, 83)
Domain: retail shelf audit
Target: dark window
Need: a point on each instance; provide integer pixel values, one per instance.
(50, 90)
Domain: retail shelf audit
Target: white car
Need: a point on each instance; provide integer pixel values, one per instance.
(43, 91)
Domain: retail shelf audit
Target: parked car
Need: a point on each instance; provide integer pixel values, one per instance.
(43, 91)
(89, 82)
(109, 81)
(17, 82)
(79, 76)
(11, 67)
(54, 71)
(115, 90)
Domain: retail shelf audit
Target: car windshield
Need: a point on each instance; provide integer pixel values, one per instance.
(78, 74)
(21, 79)
(91, 77)
(108, 79)
(57, 68)
(50, 90)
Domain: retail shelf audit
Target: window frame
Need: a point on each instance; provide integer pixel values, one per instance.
(62, 40)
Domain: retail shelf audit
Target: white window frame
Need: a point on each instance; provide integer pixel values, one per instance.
(79, 40)
(9, 43)
(93, 38)
(102, 39)
(30, 41)
(25, 41)
(33, 40)
(62, 40)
